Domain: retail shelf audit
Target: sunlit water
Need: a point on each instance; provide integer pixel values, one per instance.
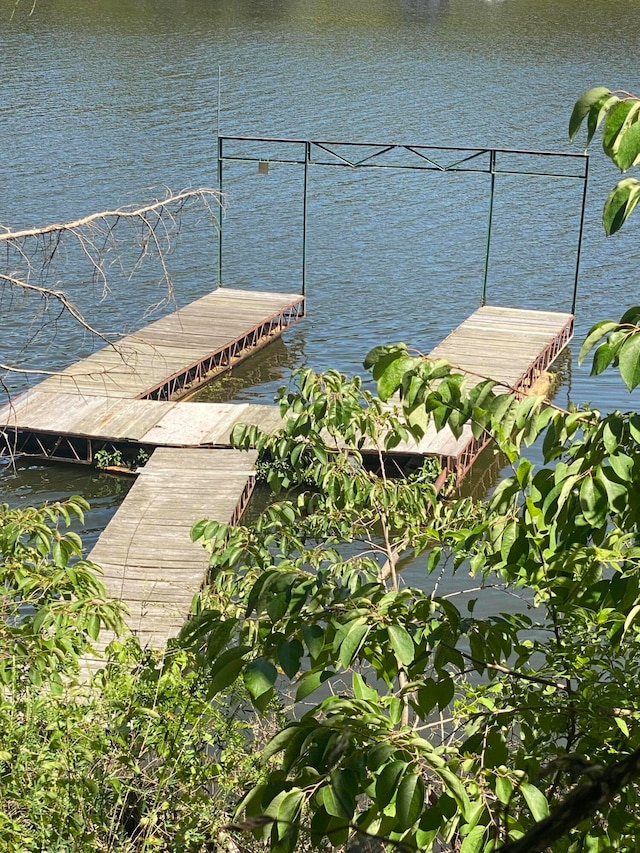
(106, 103)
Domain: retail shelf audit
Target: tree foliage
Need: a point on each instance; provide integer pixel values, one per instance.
(137, 758)
(421, 720)
(418, 721)
(618, 113)
(53, 604)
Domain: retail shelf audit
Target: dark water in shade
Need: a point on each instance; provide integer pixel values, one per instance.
(106, 103)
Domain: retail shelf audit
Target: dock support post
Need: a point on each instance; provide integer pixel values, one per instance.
(220, 211)
(492, 168)
(307, 160)
(580, 233)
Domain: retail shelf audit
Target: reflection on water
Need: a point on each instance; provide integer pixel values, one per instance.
(259, 377)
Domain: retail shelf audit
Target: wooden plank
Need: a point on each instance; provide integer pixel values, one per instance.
(36, 410)
(148, 559)
(172, 344)
(193, 423)
(124, 419)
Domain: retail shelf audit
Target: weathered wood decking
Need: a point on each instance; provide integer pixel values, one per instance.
(512, 346)
(78, 427)
(127, 399)
(172, 356)
(146, 553)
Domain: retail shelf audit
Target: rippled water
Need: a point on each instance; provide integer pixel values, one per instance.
(104, 103)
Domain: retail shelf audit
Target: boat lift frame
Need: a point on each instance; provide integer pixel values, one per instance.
(430, 158)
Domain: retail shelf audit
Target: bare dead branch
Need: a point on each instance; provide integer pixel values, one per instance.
(28, 254)
(58, 295)
(170, 200)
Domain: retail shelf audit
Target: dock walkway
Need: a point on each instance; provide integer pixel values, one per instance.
(171, 356)
(146, 553)
(512, 346)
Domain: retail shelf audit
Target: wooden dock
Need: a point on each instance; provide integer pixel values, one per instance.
(77, 428)
(126, 399)
(174, 355)
(511, 346)
(146, 553)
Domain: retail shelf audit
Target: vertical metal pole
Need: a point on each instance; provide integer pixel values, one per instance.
(307, 158)
(492, 167)
(220, 211)
(580, 233)
(219, 100)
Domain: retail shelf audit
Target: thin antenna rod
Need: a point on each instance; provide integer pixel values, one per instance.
(219, 100)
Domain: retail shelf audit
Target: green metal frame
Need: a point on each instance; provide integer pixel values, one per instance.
(421, 158)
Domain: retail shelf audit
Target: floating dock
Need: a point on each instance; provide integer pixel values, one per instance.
(73, 428)
(96, 409)
(171, 357)
(126, 399)
(512, 346)
(146, 553)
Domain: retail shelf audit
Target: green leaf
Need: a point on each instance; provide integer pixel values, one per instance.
(617, 493)
(444, 691)
(285, 809)
(455, 787)
(410, 800)
(504, 789)
(474, 842)
(310, 681)
(259, 677)
(629, 361)
(622, 725)
(627, 153)
(618, 116)
(598, 113)
(388, 782)
(536, 801)
(281, 740)
(313, 636)
(93, 626)
(352, 642)
(378, 755)
(380, 357)
(361, 689)
(340, 798)
(290, 654)
(631, 316)
(401, 643)
(599, 330)
(226, 669)
(583, 106)
(391, 379)
(593, 501)
(619, 204)
(602, 358)
(622, 465)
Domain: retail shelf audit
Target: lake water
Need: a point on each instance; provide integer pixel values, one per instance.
(106, 103)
